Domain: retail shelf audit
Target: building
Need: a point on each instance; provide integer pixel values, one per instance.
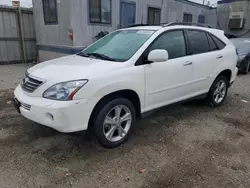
(65, 27)
(234, 17)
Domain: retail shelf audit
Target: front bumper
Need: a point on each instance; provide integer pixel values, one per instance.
(63, 116)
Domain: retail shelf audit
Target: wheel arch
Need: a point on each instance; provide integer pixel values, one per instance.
(125, 93)
(227, 73)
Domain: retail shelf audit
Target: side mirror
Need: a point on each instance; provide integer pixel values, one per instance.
(158, 56)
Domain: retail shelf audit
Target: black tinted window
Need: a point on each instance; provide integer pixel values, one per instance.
(50, 11)
(218, 42)
(100, 11)
(198, 42)
(173, 42)
(154, 16)
(212, 45)
(187, 18)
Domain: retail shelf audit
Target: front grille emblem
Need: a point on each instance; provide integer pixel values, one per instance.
(25, 80)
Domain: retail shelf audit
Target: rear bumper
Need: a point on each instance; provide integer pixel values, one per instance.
(234, 74)
(231, 83)
(63, 116)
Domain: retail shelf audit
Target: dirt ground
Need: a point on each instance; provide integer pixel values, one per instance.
(189, 145)
(11, 75)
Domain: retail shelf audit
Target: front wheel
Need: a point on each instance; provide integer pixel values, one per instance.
(218, 91)
(115, 122)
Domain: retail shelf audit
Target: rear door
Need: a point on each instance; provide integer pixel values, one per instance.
(206, 58)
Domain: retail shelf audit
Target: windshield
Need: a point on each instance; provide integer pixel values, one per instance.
(118, 46)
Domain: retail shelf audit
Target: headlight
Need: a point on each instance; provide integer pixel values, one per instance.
(64, 91)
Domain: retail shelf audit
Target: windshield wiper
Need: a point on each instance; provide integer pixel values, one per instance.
(82, 54)
(101, 56)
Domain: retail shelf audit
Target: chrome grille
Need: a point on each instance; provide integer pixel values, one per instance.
(30, 84)
(25, 106)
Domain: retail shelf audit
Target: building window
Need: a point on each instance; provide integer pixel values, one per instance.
(154, 16)
(188, 18)
(201, 19)
(50, 11)
(100, 11)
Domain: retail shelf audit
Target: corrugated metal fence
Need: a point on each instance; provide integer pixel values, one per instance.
(17, 35)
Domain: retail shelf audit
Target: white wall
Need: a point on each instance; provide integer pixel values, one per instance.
(75, 14)
(171, 11)
(223, 19)
(84, 31)
(176, 10)
(56, 34)
(45, 55)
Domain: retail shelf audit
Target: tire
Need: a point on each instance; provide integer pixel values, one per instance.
(212, 96)
(247, 67)
(108, 112)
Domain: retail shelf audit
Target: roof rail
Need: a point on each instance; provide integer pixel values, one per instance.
(186, 23)
(136, 25)
(173, 24)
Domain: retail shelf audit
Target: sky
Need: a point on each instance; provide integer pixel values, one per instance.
(201, 1)
(28, 3)
(24, 3)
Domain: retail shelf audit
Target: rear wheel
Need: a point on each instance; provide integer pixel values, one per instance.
(115, 122)
(218, 91)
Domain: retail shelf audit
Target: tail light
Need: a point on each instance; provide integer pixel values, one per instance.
(236, 51)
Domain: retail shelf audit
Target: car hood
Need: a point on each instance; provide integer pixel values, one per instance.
(242, 45)
(72, 68)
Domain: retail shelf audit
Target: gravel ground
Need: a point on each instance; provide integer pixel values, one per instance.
(11, 75)
(189, 145)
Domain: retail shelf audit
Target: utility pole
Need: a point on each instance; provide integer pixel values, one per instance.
(20, 30)
(203, 2)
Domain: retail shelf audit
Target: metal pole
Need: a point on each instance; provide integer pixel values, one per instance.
(21, 36)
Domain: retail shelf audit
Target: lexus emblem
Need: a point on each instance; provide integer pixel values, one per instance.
(25, 80)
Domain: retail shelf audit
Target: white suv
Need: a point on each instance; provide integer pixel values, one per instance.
(107, 86)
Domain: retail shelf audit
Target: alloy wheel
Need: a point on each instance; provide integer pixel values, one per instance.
(220, 91)
(117, 123)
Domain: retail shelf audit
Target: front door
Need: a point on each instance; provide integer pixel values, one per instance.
(127, 14)
(170, 81)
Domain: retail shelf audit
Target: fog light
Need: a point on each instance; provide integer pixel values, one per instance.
(50, 117)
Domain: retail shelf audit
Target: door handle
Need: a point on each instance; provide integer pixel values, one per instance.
(219, 57)
(188, 63)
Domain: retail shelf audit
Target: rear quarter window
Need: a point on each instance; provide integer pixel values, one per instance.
(218, 42)
(198, 42)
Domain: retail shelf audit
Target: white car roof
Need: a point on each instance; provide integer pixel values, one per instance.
(216, 32)
(154, 28)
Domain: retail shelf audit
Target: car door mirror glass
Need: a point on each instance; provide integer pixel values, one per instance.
(157, 56)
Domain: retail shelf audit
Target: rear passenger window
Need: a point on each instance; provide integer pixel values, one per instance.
(219, 43)
(198, 42)
(173, 42)
(212, 45)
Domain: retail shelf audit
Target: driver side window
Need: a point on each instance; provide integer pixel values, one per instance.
(173, 42)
